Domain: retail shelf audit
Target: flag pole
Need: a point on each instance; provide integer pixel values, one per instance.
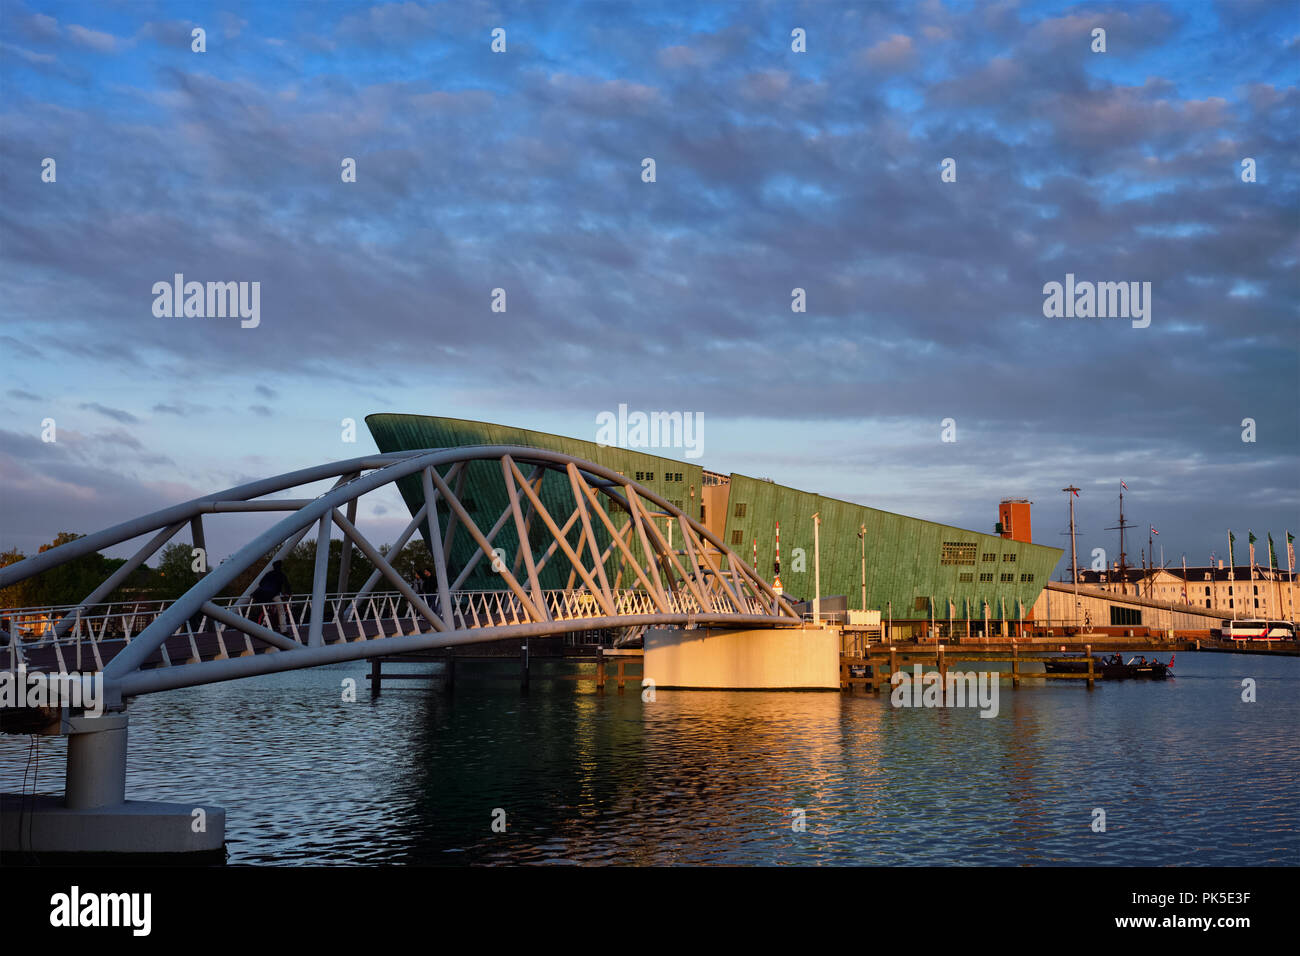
(1290, 571)
(1272, 573)
(1291, 575)
(1251, 545)
(1232, 572)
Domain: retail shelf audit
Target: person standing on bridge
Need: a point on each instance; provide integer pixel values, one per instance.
(428, 589)
(274, 586)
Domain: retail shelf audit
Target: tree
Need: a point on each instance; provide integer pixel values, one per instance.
(176, 569)
(300, 567)
(68, 583)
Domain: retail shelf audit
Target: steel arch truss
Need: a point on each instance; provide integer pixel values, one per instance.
(615, 537)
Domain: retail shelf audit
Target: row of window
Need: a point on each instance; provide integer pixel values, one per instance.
(958, 552)
(668, 476)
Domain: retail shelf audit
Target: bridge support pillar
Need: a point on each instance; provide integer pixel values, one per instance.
(96, 774)
(94, 820)
(716, 658)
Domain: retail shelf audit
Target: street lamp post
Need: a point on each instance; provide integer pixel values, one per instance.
(862, 536)
(817, 568)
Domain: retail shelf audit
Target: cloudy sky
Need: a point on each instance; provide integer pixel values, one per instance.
(775, 170)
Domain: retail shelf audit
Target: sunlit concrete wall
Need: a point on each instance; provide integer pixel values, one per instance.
(760, 659)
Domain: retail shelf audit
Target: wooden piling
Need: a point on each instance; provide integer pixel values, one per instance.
(1091, 676)
(376, 675)
(1015, 666)
(600, 671)
(523, 667)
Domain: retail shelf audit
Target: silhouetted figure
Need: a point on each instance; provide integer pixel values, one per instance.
(274, 586)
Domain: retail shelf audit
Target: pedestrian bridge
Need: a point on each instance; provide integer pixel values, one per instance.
(632, 559)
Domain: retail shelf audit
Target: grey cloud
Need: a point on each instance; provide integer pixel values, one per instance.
(116, 414)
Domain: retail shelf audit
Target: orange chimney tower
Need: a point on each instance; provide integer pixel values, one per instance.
(1013, 519)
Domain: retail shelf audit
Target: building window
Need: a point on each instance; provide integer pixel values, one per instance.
(1125, 617)
(1007, 578)
(1207, 592)
(1230, 603)
(645, 476)
(957, 552)
(1009, 558)
(1026, 578)
(737, 537)
(966, 577)
(986, 558)
(1256, 602)
(1256, 588)
(740, 509)
(1229, 588)
(920, 604)
(986, 578)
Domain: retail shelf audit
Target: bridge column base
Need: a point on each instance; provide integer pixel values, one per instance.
(713, 658)
(95, 820)
(42, 829)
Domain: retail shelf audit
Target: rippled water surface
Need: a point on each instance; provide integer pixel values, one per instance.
(1186, 772)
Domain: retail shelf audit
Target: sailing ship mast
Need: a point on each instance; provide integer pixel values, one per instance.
(1074, 553)
(1123, 555)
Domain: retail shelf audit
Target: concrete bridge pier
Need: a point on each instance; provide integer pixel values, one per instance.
(96, 775)
(721, 658)
(94, 820)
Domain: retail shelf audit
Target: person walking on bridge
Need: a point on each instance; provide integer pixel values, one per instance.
(274, 586)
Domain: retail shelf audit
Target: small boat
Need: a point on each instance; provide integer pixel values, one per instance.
(1150, 670)
(1069, 666)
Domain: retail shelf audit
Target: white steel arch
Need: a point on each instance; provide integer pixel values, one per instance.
(624, 571)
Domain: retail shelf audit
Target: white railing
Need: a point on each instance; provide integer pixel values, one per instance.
(95, 632)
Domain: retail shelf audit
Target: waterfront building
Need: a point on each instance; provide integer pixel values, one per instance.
(925, 577)
(1271, 594)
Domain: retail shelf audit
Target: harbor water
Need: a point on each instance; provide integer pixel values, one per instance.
(1186, 772)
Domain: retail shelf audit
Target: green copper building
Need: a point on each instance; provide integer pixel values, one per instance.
(916, 571)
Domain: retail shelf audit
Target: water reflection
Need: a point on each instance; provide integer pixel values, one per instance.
(1186, 772)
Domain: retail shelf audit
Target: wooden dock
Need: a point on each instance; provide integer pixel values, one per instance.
(873, 670)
